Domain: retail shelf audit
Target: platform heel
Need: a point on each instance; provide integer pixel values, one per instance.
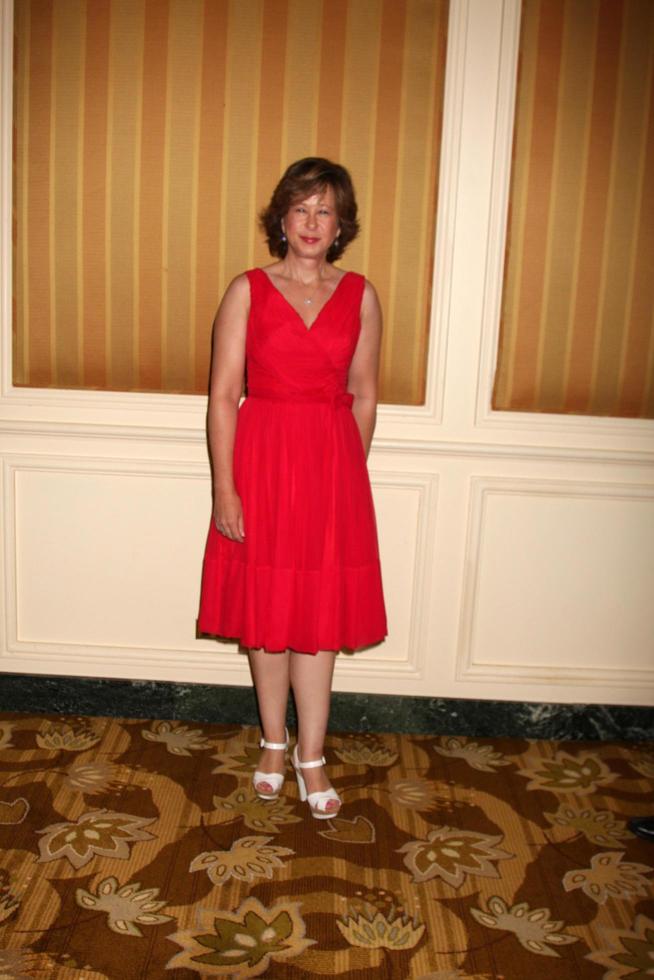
(317, 801)
(274, 779)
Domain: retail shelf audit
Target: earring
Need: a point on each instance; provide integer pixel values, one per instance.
(335, 243)
(283, 237)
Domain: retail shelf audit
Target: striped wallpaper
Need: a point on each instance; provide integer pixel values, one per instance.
(577, 327)
(150, 132)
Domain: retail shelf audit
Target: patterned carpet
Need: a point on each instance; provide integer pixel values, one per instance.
(136, 850)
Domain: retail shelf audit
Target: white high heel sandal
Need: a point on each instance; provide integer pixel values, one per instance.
(274, 779)
(317, 801)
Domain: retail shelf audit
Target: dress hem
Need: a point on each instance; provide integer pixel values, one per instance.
(344, 647)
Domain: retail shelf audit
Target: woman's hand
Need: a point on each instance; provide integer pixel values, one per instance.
(228, 515)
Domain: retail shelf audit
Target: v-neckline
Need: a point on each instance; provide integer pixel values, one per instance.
(309, 328)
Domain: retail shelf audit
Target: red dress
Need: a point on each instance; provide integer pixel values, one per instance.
(307, 576)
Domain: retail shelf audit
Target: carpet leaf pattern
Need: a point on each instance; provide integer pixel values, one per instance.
(137, 850)
(243, 942)
(99, 832)
(452, 854)
(248, 858)
(127, 908)
(609, 877)
(532, 927)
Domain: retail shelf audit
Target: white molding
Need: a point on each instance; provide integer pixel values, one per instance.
(193, 437)
(7, 552)
(9, 558)
(499, 205)
(497, 672)
(446, 214)
(485, 450)
(550, 424)
(173, 662)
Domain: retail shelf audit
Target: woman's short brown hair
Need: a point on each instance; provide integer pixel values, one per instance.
(302, 179)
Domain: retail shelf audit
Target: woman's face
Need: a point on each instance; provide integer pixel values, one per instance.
(311, 225)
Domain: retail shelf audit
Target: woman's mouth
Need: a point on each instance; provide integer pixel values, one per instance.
(309, 241)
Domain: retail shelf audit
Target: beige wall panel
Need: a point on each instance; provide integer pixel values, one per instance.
(560, 581)
(103, 564)
(108, 558)
(405, 505)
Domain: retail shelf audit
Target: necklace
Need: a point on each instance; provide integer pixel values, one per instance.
(308, 300)
(313, 288)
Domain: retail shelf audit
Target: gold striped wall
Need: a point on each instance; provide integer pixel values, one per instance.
(577, 330)
(150, 132)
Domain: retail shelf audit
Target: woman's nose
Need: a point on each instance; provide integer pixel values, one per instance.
(312, 220)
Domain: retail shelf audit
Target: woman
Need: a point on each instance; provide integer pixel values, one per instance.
(291, 565)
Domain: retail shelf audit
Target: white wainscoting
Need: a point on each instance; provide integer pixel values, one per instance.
(102, 566)
(517, 549)
(559, 583)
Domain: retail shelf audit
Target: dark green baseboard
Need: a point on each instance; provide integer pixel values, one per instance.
(32, 693)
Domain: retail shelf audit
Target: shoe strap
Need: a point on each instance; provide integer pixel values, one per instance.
(315, 799)
(272, 745)
(268, 777)
(310, 765)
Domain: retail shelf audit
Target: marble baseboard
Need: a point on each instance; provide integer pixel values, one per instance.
(40, 694)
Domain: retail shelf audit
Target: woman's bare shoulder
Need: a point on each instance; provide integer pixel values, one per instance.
(370, 297)
(236, 297)
(239, 284)
(238, 289)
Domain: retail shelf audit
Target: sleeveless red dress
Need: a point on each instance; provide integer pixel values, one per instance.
(307, 576)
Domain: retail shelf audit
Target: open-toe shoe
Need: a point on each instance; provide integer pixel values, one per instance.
(274, 779)
(317, 801)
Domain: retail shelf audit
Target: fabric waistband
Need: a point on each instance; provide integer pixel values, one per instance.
(339, 399)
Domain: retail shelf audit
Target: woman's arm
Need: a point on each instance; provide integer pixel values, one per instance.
(364, 369)
(227, 370)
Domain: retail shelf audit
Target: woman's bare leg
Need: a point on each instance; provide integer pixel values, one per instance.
(311, 680)
(270, 673)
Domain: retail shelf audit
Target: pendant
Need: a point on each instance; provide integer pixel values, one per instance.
(308, 301)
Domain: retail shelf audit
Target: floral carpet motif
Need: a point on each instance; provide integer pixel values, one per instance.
(136, 850)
